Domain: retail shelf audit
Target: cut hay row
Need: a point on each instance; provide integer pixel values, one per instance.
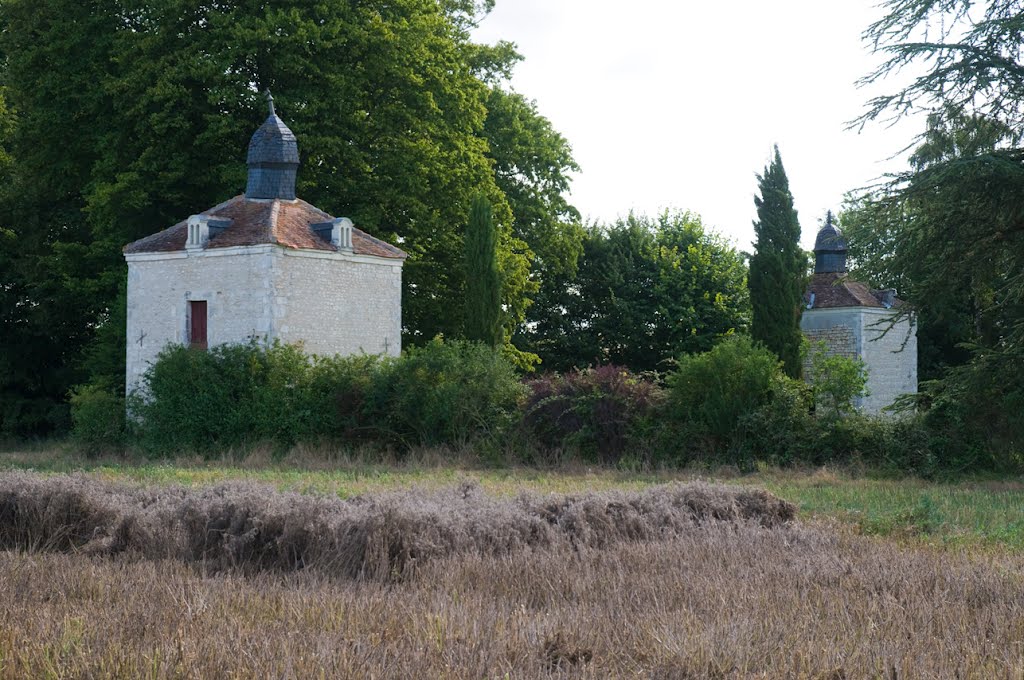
(251, 527)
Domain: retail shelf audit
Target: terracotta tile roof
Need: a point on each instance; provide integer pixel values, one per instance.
(255, 222)
(834, 289)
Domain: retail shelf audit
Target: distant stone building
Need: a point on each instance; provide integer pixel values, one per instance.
(263, 265)
(858, 322)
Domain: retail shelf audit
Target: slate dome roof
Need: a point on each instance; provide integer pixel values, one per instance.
(273, 142)
(830, 238)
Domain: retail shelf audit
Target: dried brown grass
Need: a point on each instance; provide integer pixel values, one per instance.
(251, 527)
(681, 581)
(720, 600)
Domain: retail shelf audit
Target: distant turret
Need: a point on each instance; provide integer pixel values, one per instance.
(829, 249)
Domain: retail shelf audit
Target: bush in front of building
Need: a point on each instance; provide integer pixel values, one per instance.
(602, 414)
(197, 400)
(710, 394)
(445, 393)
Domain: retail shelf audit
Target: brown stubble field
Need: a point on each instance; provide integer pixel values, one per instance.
(663, 584)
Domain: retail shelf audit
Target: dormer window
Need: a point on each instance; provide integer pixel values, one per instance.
(337, 232)
(201, 228)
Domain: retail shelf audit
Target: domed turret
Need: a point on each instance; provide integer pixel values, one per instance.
(829, 249)
(273, 159)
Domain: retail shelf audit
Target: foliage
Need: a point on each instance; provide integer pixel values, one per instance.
(975, 415)
(603, 413)
(836, 380)
(900, 236)
(532, 164)
(444, 393)
(483, 282)
(194, 400)
(783, 430)
(777, 278)
(98, 419)
(239, 395)
(710, 393)
(132, 113)
(646, 290)
(966, 53)
(949, 231)
(953, 224)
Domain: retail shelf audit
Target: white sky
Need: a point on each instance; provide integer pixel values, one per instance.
(676, 103)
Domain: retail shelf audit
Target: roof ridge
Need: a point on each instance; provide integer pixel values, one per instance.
(275, 212)
(222, 205)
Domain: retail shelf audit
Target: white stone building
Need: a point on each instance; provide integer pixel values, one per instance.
(263, 265)
(858, 322)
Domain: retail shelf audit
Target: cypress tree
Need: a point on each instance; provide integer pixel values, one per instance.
(483, 282)
(777, 269)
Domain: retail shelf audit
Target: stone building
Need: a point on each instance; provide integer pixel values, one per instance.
(263, 265)
(858, 322)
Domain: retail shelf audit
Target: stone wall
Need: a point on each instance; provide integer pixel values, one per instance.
(839, 340)
(859, 332)
(334, 303)
(339, 304)
(889, 349)
(235, 282)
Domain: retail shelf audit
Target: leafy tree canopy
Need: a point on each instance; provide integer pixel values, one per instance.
(125, 116)
(965, 57)
(646, 291)
(950, 231)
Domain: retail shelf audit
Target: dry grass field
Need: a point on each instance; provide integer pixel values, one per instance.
(144, 577)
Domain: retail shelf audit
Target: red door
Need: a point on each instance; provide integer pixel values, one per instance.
(197, 324)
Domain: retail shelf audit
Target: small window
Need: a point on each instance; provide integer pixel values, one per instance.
(197, 324)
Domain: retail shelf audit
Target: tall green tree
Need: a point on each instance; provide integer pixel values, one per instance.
(965, 57)
(483, 282)
(646, 291)
(532, 167)
(128, 115)
(778, 275)
(952, 227)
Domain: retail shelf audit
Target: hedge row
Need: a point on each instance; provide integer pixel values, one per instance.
(732, 405)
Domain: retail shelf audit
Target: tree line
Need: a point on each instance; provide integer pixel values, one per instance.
(117, 118)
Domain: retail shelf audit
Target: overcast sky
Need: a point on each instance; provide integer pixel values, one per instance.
(676, 103)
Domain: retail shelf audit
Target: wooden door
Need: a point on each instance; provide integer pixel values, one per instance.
(197, 324)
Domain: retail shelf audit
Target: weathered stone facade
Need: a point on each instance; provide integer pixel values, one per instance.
(884, 341)
(332, 303)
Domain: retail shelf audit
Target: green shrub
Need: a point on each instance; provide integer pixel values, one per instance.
(604, 413)
(443, 393)
(836, 381)
(782, 431)
(235, 395)
(711, 392)
(98, 419)
(339, 388)
(238, 395)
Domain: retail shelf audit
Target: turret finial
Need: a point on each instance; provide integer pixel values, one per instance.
(828, 218)
(273, 158)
